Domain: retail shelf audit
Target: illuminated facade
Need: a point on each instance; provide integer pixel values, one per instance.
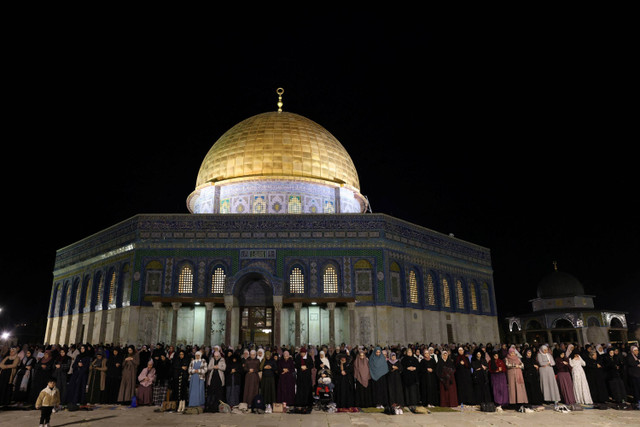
(278, 248)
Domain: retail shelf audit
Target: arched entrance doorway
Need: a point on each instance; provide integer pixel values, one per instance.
(255, 299)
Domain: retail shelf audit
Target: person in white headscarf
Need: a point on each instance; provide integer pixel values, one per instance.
(197, 374)
(580, 384)
(215, 381)
(322, 362)
(251, 378)
(548, 383)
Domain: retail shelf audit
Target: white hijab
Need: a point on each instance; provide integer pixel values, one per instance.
(324, 360)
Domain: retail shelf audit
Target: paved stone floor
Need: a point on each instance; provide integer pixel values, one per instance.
(145, 416)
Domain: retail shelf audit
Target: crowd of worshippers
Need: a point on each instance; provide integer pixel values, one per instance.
(361, 376)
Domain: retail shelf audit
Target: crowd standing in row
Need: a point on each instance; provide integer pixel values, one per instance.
(362, 377)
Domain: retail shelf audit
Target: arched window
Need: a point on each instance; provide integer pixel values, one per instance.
(87, 295)
(185, 280)
(78, 289)
(296, 281)
(67, 299)
(616, 323)
(460, 295)
(472, 296)
(413, 288)
(446, 293)
(330, 280)
(218, 280)
(99, 293)
(295, 204)
(430, 291)
(484, 295)
(112, 290)
(125, 281)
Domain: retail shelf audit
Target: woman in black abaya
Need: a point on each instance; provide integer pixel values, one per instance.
(114, 375)
(532, 378)
(410, 365)
(480, 378)
(343, 381)
(303, 364)
(596, 377)
(396, 391)
(464, 383)
(429, 382)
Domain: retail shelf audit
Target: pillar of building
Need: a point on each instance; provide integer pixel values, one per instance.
(207, 323)
(67, 332)
(58, 339)
(117, 320)
(157, 305)
(227, 327)
(174, 322)
(352, 321)
(297, 306)
(277, 312)
(90, 326)
(331, 306)
(103, 326)
(549, 337)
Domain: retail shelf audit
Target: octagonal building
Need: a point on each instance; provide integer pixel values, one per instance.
(278, 247)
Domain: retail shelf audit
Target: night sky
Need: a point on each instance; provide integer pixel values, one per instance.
(514, 135)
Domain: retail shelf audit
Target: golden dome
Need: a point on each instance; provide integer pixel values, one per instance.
(278, 145)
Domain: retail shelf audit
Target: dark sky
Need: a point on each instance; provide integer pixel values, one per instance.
(516, 135)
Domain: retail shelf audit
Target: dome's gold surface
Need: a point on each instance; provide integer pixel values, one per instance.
(278, 145)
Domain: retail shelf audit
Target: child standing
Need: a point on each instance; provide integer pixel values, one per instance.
(47, 400)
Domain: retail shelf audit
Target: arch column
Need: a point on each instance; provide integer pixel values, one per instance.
(352, 321)
(228, 305)
(277, 312)
(174, 322)
(331, 306)
(297, 306)
(207, 323)
(156, 333)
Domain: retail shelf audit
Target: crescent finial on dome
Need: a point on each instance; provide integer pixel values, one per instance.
(280, 91)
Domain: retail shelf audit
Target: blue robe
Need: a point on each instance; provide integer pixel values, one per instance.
(196, 386)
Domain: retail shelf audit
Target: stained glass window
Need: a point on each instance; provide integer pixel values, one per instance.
(100, 292)
(295, 204)
(112, 289)
(431, 295)
(413, 288)
(472, 294)
(217, 281)
(330, 280)
(446, 295)
(460, 295)
(185, 281)
(296, 281)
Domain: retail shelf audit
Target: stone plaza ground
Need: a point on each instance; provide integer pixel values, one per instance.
(147, 416)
